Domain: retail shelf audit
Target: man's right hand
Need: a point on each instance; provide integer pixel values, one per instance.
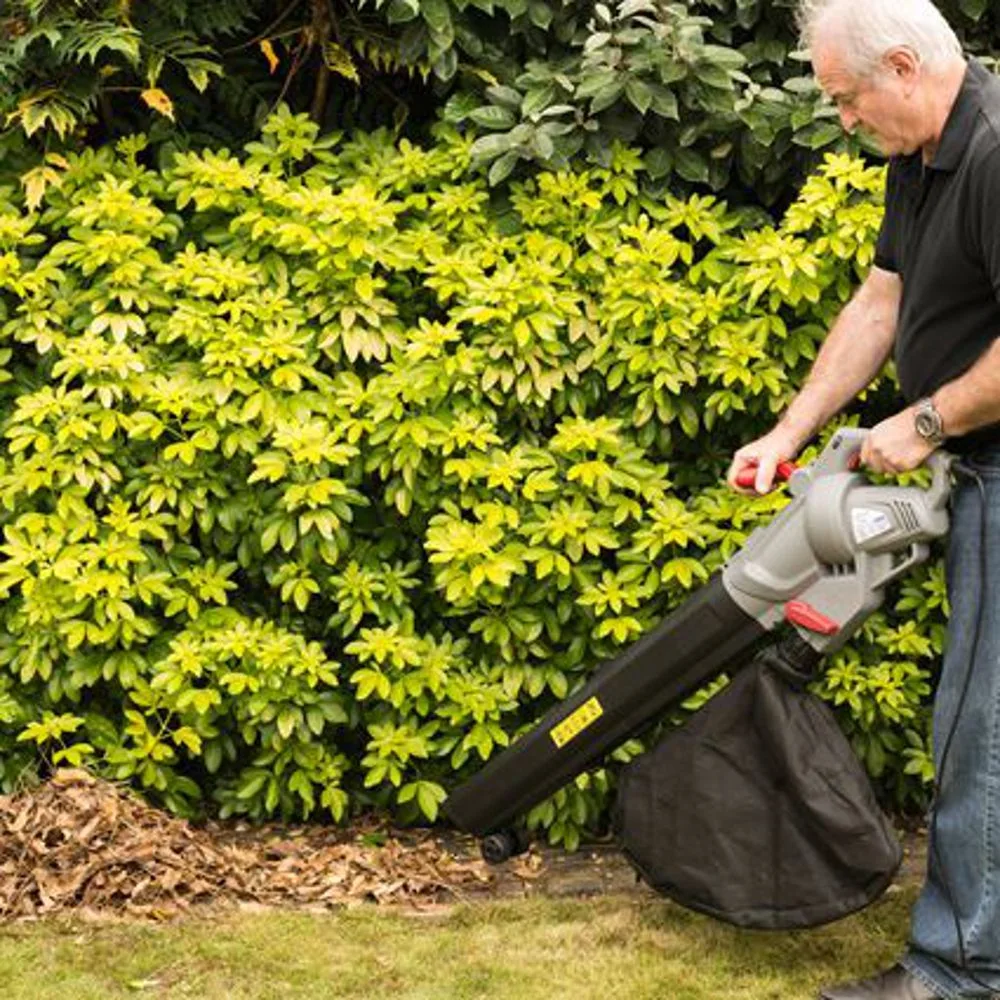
(762, 455)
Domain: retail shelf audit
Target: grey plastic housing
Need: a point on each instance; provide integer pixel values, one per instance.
(838, 543)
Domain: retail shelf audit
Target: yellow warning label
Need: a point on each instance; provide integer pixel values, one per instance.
(576, 722)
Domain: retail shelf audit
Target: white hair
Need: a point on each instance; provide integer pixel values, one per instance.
(868, 29)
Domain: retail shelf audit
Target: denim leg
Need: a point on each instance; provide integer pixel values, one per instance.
(963, 875)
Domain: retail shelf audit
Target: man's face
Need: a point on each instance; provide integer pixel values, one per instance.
(879, 104)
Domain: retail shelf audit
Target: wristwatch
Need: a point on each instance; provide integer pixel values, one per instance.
(928, 422)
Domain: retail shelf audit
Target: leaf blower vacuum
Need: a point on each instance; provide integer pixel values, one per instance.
(755, 809)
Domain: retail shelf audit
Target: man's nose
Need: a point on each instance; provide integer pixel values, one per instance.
(848, 119)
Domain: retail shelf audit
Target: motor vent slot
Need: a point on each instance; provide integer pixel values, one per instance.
(906, 514)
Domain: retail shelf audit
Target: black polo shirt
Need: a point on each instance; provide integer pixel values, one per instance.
(941, 234)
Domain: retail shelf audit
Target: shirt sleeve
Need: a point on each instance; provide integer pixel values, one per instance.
(984, 216)
(886, 246)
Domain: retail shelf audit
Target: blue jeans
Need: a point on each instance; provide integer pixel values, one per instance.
(963, 873)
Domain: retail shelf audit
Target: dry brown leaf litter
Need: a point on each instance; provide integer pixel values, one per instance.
(82, 844)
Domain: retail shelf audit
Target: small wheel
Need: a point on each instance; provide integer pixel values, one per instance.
(502, 845)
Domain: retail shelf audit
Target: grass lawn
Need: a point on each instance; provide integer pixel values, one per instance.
(584, 949)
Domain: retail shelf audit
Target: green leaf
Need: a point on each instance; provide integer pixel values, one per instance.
(688, 416)
(801, 85)
(692, 166)
(74, 755)
(508, 97)
(492, 116)
(287, 720)
(90, 38)
(402, 11)
(251, 784)
(212, 757)
(316, 721)
(437, 14)
(537, 100)
(714, 75)
(664, 102)
(490, 146)
(594, 83)
(658, 162)
(446, 65)
(818, 136)
(501, 168)
(607, 95)
(639, 94)
(542, 145)
(429, 798)
(539, 13)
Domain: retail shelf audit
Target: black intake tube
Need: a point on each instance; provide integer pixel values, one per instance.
(704, 636)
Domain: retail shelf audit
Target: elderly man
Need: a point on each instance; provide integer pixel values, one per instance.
(895, 69)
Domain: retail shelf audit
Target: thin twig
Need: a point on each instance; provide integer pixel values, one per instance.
(296, 62)
(266, 33)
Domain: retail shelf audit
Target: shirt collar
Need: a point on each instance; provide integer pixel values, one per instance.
(961, 119)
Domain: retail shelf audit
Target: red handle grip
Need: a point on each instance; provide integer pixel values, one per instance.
(747, 477)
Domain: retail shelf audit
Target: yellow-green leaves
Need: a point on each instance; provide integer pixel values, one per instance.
(325, 474)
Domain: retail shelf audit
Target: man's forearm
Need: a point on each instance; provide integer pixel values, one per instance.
(973, 399)
(853, 353)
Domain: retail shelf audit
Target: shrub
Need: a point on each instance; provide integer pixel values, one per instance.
(715, 91)
(329, 469)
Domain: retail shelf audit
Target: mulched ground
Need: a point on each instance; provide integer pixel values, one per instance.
(76, 843)
(79, 846)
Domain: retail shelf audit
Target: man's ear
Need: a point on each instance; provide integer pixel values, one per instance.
(902, 62)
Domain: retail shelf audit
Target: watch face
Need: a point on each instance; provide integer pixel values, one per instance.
(928, 424)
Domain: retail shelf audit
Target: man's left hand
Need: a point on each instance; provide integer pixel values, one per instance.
(894, 445)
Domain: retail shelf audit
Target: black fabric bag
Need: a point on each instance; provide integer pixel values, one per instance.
(756, 810)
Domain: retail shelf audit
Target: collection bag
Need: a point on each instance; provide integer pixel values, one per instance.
(756, 810)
